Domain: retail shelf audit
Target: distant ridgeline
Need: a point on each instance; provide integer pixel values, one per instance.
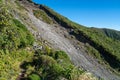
(112, 33)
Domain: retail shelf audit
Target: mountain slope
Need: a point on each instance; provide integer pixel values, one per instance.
(82, 36)
(107, 46)
(83, 45)
(112, 33)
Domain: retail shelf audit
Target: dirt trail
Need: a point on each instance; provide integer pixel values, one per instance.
(58, 41)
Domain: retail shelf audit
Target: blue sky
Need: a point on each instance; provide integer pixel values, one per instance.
(91, 13)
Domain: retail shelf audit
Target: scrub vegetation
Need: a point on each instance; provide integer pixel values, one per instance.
(14, 38)
(40, 14)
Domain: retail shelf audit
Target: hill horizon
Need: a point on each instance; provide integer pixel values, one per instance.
(100, 14)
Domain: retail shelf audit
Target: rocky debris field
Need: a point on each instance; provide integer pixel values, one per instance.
(58, 38)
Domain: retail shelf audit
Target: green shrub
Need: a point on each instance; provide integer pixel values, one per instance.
(50, 67)
(43, 16)
(61, 55)
(20, 25)
(34, 77)
(13, 34)
(47, 61)
(26, 37)
(4, 17)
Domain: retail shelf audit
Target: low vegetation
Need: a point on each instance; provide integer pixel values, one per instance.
(40, 14)
(53, 66)
(14, 38)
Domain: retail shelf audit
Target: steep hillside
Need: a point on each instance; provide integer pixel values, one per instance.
(37, 43)
(106, 41)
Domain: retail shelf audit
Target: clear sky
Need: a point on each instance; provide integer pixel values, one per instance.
(91, 13)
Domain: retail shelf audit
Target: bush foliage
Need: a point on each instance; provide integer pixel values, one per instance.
(40, 14)
(53, 66)
(14, 38)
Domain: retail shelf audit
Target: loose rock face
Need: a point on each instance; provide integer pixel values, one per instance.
(55, 36)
